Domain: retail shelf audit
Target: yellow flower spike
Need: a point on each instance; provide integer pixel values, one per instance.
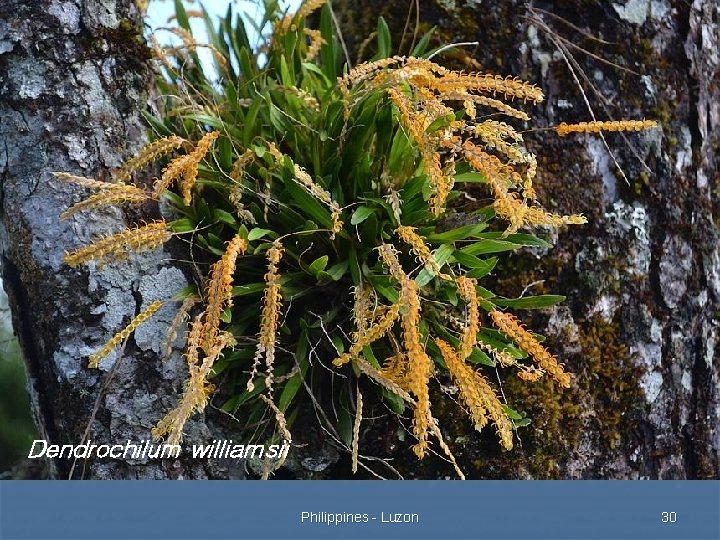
(363, 306)
(388, 255)
(477, 394)
(467, 290)
(191, 170)
(420, 366)
(421, 250)
(598, 126)
(148, 154)
(117, 246)
(367, 337)
(511, 327)
(396, 369)
(121, 336)
(197, 389)
(218, 293)
(122, 194)
(322, 195)
(529, 376)
(316, 42)
(185, 168)
(269, 318)
(85, 182)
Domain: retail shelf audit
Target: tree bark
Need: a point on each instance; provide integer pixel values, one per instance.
(74, 80)
(640, 326)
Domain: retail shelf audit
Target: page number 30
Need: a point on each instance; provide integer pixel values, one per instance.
(669, 517)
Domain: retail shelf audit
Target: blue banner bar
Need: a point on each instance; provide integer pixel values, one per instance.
(360, 509)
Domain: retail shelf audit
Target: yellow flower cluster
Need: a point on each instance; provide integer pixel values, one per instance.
(116, 247)
(511, 327)
(477, 394)
(109, 193)
(361, 339)
(121, 336)
(320, 194)
(420, 366)
(269, 318)
(410, 369)
(185, 168)
(204, 336)
(218, 294)
(597, 126)
(421, 91)
(421, 250)
(197, 388)
(467, 289)
(148, 154)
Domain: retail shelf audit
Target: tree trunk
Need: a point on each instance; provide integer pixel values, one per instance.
(74, 79)
(639, 329)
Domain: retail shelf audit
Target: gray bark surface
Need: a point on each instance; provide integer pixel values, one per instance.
(73, 79)
(640, 326)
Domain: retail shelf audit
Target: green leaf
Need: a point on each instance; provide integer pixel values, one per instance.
(257, 233)
(250, 288)
(469, 261)
(181, 16)
(224, 217)
(183, 293)
(471, 177)
(528, 240)
(302, 200)
(345, 425)
(361, 214)
(318, 265)
(207, 119)
(250, 123)
(183, 225)
(337, 343)
(317, 71)
(489, 246)
(531, 302)
(241, 36)
(395, 402)
(370, 357)
(337, 271)
(477, 273)
(479, 357)
(157, 125)
(382, 285)
(225, 155)
(400, 160)
(459, 233)
(422, 45)
(512, 414)
(327, 50)
(441, 256)
(412, 188)
(354, 266)
(295, 382)
(520, 239)
(285, 76)
(384, 40)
